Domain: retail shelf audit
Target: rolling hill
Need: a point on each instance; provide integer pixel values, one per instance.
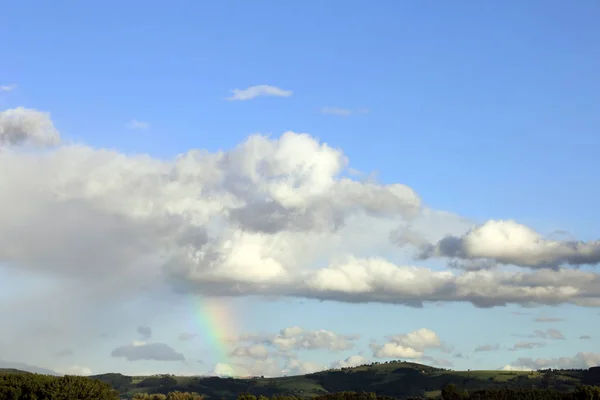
(396, 379)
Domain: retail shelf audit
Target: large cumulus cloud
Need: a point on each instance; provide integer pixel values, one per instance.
(272, 216)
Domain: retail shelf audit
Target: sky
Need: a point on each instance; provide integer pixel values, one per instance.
(275, 188)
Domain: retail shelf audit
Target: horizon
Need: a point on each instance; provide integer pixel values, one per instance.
(279, 188)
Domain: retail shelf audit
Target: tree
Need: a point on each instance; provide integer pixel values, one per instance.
(451, 392)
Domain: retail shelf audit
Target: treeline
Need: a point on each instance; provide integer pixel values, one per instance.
(170, 396)
(329, 396)
(45, 387)
(451, 392)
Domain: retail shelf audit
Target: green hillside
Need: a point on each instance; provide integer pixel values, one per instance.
(395, 379)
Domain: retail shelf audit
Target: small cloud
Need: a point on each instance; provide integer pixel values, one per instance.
(342, 112)
(258, 90)
(526, 346)
(138, 125)
(75, 370)
(585, 337)
(145, 332)
(440, 362)
(548, 319)
(487, 347)
(8, 88)
(555, 334)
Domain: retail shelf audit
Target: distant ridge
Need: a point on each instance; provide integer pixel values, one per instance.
(21, 367)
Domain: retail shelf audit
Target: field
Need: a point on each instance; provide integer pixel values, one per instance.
(396, 379)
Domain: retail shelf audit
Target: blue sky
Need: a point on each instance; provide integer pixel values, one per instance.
(487, 110)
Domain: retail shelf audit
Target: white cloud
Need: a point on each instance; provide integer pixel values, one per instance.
(508, 242)
(222, 370)
(296, 338)
(394, 350)
(408, 345)
(516, 368)
(297, 367)
(137, 124)
(75, 370)
(24, 126)
(8, 88)
(255, 351)
(258, 90)
(268, 367)
(342, 112)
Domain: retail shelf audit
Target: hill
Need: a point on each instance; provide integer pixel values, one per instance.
(13, 371)
(7, 365)
(396, 379)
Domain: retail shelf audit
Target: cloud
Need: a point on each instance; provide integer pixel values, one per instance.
(255, 351)
(296, 338)
(8, 88)
(75, 370)
(352, 361)
(258, 90)
(342, 112)
(438, 362)
(272, 216)
(147, 351)
(585, 337)
(508, 242)
(487, 347)
(579, 361)
(24, 126)
(138, 125)
(526, 346)
(26, 367)
(548, 334)
(409, 345)
(145, 332)
(548, 319)
(268, 367)
(555, 334)
(297, 367)
(185, 336)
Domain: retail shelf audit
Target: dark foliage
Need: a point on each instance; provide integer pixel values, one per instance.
(45, 387)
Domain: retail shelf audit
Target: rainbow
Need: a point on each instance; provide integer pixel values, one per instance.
(216, 322)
